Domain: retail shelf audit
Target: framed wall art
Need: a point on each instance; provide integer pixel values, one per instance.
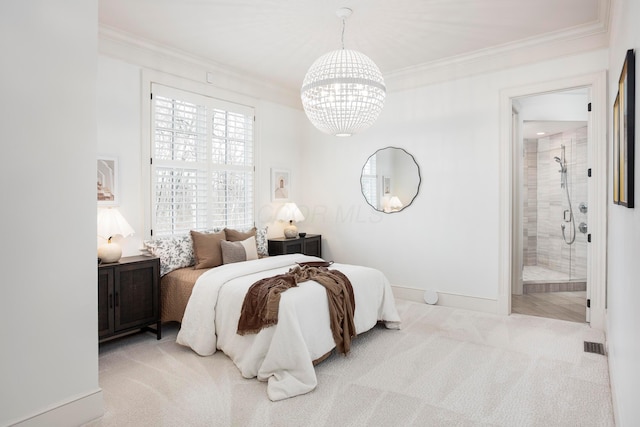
(386, 185)
(616, 151)
(624, 134)
(280, 185)
(108, 192)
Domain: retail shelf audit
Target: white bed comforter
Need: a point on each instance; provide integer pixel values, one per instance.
(281, 354)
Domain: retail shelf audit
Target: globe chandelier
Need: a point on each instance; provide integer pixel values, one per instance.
(343, 91)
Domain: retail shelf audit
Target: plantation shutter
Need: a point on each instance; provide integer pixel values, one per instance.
(369, 182)
(202, 163)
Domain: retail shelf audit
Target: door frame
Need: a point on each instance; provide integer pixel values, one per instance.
(510, 219)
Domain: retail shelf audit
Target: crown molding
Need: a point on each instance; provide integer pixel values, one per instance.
(580, 39)
(576, 40)
(120, 45)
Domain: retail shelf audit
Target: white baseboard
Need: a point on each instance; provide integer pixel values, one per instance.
(484, 305)
(613, 371)
(73, 413)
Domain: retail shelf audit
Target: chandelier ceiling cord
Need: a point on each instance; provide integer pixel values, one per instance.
(343, 92)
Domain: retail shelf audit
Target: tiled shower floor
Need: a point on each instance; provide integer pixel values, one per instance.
(536, 273)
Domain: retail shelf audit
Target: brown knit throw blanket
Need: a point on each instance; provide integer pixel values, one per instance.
(260, 306)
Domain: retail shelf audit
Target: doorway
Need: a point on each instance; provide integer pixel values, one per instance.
(552, 137)
(553, 197)
(511, 206)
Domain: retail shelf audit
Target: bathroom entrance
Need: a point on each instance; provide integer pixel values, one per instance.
(552, 136)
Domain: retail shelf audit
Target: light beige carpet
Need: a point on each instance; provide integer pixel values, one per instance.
(445, 367)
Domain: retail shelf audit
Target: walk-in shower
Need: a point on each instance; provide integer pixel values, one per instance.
(550, 134)
(554, 245)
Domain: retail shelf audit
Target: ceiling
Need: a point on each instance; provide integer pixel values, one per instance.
(277, 40)
(545, 129)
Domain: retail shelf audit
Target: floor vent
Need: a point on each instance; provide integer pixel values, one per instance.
(594, 347)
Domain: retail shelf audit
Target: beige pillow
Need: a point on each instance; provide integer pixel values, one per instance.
(250, 248)
(206, 249)
(244, 250)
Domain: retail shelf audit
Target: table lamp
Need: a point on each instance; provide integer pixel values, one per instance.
(395, 204)
(290, 212)
(111, 223)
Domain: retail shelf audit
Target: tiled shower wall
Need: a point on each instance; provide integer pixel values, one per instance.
(545, 202)
(530, 200)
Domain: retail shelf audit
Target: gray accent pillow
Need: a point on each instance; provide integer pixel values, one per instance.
(232, 252)
(244, 250)
(259, 233)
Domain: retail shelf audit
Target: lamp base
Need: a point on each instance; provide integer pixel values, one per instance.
(109, 252)
(291, 231)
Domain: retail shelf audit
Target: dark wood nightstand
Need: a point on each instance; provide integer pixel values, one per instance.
(129, 296)
(311, 244)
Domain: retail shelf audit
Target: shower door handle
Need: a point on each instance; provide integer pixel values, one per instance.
(564, 215)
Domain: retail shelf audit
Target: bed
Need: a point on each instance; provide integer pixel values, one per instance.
(175, 290)
(284, 354)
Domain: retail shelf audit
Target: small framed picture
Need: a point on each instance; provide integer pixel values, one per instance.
(386, 185)
(280, 185)
(108, 191)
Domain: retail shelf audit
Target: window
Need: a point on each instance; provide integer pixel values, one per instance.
(369, 181)
(202, 170)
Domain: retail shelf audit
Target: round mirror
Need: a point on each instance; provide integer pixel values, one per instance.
(390, 179)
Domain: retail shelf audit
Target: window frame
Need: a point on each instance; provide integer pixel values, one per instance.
(193, 91)
(373, 185)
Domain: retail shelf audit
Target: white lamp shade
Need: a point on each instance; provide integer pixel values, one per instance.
(290, 212)
(395, 204)
(112, 223)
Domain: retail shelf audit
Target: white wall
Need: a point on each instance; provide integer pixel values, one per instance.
(564, 106)
(623, 270)
(48, 308)
(279, 144)
(448, 239)
(119, 131)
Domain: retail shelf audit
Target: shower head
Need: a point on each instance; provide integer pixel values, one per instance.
(563, 165)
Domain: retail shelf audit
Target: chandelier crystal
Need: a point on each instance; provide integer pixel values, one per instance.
(343, 92)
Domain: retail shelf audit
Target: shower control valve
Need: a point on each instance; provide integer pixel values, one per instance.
(583, 207)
